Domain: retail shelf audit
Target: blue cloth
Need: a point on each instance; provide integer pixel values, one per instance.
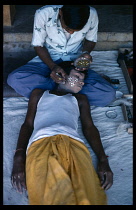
(98, 90)
(37, 75)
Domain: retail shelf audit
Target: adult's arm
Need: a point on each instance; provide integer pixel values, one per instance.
(38, 39)
(92, 135)
(88, 45)
(18, 171)
(43, 53)
(91, 35)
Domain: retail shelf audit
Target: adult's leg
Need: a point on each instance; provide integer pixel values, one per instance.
(98, 90)
(30, 76)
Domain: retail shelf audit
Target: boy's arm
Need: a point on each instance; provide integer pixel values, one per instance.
(18, 171)
(92, 135)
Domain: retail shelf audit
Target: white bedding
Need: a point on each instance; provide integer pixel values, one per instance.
(118, 145)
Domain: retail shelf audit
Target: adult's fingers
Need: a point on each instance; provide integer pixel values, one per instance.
(81, 69)
(62, 73)
(57, 77)
(88, 56)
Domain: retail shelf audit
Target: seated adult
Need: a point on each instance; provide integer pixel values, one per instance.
(60, 33)
(51, 160)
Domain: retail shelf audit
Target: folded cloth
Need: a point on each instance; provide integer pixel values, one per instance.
(59, 171)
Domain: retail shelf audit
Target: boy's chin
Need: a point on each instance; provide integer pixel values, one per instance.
(75, 91)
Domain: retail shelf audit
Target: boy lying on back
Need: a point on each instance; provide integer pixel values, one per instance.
(51, 160)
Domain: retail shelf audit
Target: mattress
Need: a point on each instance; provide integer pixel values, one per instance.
(117, 142)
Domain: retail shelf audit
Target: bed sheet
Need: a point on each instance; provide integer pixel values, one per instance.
(118, 144)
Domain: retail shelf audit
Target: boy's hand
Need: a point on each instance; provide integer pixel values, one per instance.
(105, 174)
(18, 177)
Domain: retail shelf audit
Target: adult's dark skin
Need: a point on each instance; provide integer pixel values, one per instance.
(43, 53)
(89, 130)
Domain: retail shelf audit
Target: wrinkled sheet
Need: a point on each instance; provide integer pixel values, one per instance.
(118, 144)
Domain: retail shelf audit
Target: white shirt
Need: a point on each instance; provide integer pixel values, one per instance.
(68, 35)
(48, 32)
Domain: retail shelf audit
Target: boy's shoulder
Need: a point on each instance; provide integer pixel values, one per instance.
(36, 94)
(81, 98)
(37, 91)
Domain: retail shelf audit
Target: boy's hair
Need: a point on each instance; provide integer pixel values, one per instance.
(66, 65)
(75, 16)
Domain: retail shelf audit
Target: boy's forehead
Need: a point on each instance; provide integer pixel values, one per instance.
(74, 71)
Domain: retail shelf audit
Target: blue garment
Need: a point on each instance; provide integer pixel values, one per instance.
(37, 75)
(98, 90)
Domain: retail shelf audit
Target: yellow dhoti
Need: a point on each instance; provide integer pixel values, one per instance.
(59, 171)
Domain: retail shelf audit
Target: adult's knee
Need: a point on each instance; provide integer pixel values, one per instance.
(11, 80)
(111, 96)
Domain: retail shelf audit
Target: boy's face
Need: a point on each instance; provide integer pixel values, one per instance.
(75, 81)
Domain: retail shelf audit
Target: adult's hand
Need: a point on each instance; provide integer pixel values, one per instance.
(58, 74)
(18, 176)
(87, 55)
(105, 174)
(84, 55)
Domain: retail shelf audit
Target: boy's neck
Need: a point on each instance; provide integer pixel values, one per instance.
(60, 90)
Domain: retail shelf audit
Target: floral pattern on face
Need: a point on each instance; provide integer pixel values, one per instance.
(73, 81)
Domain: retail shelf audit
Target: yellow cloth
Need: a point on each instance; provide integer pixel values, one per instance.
(59, 171)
